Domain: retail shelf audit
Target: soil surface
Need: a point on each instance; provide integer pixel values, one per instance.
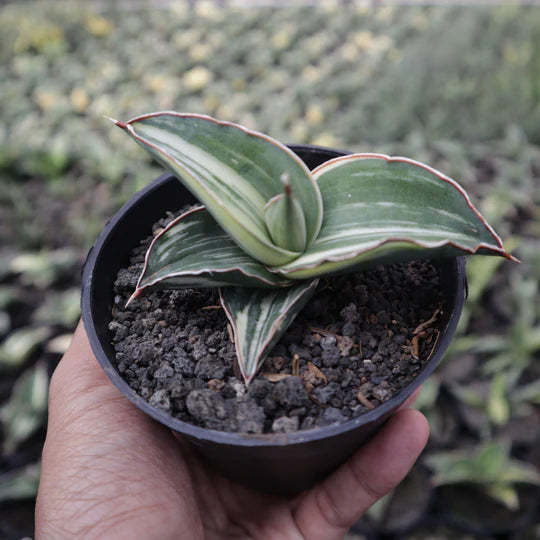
(350, 349)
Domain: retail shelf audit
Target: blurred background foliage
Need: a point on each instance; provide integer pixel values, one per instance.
(456, 87)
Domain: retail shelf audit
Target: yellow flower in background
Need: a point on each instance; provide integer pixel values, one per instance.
(367, 41)
(349, 52)
(98, 26)
(46, 99)
(207, 9)
(185, 38)
(79, 99)
(226, 112)
(326, 139)
(200, 52)
(312, 73)
(314, 115)
(329, 5)
(156, 83)
(363, 40)
(38, 37)
(281, 40)
(197, 78)
(211, 102)
(239, 84)
(299, 131)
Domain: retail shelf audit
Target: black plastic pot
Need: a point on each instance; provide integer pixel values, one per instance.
(276, 463)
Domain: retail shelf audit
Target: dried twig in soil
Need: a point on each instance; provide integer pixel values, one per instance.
(316, 401)
(316, 371)
(428, 323)
(364, 400)
(323, 332)
(437, 335)
(296, 365)
(276, 377)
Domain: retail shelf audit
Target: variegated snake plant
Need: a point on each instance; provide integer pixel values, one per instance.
(269, 228)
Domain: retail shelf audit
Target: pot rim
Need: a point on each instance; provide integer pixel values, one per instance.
(197, 433)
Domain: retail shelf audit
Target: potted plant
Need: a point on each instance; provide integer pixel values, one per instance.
(269, 231)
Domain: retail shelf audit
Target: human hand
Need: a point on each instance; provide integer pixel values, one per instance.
(110, 471)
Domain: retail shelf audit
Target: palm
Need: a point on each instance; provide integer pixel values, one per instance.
(109, 471)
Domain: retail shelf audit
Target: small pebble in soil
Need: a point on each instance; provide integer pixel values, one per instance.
(285, 424)
(353, 338)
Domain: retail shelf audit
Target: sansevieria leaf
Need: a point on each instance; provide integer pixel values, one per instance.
(194, 251)
(379, 208)
(259, 317)
(234, 172)
(285, 220)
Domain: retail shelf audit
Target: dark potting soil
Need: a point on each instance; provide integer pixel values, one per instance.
(355, 344)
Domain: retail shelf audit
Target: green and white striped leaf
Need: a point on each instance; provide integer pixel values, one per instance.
(194, 251)
(259, 317)
(379, 208)
(234, 172)
(285, 221)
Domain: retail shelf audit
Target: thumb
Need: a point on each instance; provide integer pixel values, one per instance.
(331, 508)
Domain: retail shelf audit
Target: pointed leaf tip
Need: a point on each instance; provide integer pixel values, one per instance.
(118, 123)
(510, 257)
(380, 208)
(259, 317)
(234, 172)
(134, 296)
(286, 184)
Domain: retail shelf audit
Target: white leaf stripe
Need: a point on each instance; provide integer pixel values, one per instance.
(259, 317)
(372, 212)
(399, 229)
(323, 262)
(389, 251)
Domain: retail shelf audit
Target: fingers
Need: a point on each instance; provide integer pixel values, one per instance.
(79, 387)
(108, 470)
(330, 509)
(78, 371)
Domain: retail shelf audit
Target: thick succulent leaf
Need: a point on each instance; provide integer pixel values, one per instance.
(379, 208)
(259, 317)
(285, 221)
(234, 172)
(194, 251)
